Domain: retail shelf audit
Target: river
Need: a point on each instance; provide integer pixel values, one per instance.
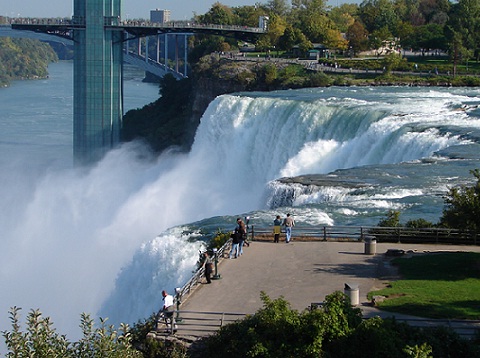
(106, 240)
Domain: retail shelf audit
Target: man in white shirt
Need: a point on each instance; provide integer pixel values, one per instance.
(167, 301)
(167, 310)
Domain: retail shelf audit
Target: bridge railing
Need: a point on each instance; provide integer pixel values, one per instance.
(115, 21)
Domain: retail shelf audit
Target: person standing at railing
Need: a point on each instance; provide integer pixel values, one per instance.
(289, 223)
(208, 267)
(242, 233)
(276, 228)
(167, 310)
(237, 239)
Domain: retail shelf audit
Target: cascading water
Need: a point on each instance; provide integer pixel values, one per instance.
(246, 141)
(68, 234)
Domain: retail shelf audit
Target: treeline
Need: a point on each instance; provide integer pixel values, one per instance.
(419, 25)
(24, 59)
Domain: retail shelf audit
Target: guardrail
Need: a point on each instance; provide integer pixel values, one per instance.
(381, 234)
(196, 324)
(183, 293)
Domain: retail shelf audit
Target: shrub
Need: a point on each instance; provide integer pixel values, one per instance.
(41, 339)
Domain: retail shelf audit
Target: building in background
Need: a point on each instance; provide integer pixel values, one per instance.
(160, 16)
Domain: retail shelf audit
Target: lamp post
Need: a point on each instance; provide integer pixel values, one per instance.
(216, 276)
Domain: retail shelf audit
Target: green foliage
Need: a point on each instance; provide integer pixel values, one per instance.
(462, 207)
(24, 58)
(320, 79)
(419, 223)
(392, 219)
(422, 351)
(393, 61)
(276, 330)
(41, 340)
(219, 240)
(151, 347)
(334, 330)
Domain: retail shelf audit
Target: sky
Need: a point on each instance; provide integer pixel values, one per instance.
(180, 9)
(131, 9)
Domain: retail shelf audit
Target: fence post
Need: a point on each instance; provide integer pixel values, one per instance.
(324, 233)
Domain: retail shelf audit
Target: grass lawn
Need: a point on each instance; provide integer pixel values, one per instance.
(443, 285)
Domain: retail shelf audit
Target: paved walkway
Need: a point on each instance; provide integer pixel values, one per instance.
(303, 273)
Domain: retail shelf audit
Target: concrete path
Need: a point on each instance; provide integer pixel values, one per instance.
(303, 273)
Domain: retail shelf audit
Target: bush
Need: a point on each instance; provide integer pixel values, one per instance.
(462, 207)
(41, 339)
(276, 330)
(392, 219)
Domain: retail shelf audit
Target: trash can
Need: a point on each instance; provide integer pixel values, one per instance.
(352, 292)
(370, 245)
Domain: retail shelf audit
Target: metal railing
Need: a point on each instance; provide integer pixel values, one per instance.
(183, 293)
(381, 234)
(197, 324)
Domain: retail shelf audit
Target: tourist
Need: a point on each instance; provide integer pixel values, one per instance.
(276, 228)
(167, 309)
(234, 251)
(288, 222)
(242, 233)
(208, 267)
(238, 239)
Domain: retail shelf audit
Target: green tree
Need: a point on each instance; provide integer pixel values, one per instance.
(465, 20)
(278, 7)
(378, 14)
(462, 207)
(343, 16)
(276, 28)
(218, 14)
(247, 15)
(429, 37)
(392, 219)
(357, 37)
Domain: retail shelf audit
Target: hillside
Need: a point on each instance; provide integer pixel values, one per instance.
(24, 59)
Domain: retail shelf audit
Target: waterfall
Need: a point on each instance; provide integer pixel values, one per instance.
(107, 240)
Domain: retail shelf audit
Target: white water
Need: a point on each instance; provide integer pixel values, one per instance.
(97, 241)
